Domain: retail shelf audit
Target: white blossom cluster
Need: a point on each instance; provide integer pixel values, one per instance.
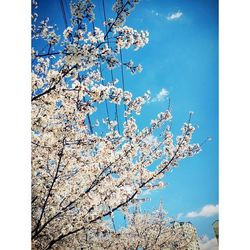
(96, 36)
(144, 231)
(44, 31)
(81, 10)
(133, 69)
(127, 37)
(67, 32)
(123, 11)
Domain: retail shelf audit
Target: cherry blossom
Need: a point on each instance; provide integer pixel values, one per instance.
(79, 176)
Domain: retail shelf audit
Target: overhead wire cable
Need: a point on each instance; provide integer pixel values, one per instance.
(111, 71)
(64, 13)
(123, 81)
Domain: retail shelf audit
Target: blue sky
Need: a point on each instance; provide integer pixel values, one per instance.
(181, 57)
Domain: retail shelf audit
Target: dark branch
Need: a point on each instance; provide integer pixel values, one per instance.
(49, 192)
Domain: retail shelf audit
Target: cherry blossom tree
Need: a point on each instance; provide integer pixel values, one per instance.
(154, 231)
(79, 176)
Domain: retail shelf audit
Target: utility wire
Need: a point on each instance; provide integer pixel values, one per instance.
(123, 82)
(111, 71)
(106, 103)
(64, 13)
(100, 69)
(67, 7)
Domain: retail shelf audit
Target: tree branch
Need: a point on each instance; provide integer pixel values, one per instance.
(49, 192)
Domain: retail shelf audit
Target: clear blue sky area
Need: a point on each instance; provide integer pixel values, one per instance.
(182, 57)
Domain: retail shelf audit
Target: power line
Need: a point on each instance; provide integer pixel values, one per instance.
(123, 82)
(100, 68)
(64, 13)
(106, 103)
(67, 7)
(89, 121)
(111, 71)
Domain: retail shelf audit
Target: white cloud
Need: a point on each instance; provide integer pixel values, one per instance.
(208, 244)
(161, 96)
(174, 16)
(207, 211)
